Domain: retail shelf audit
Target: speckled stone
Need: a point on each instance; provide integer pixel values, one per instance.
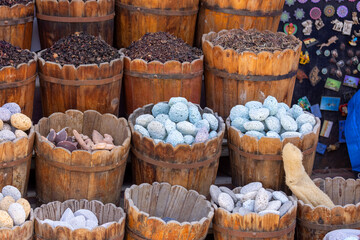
(238, 123)
(249, 205)
(272, 134)
(6, 135)
(20, 133)
(273, 124)
(175, 100)
(288, 123)
(160, 108)
(277, 195)
(67, 215)
(12, 191)
(254, 126)
(236, 209)
(202, 135)
(89, 215)
(175, 138)
(283, 105)
(158, 140)
(142, 130)
(186, 128)
(272, 104)
(7, 127)
(212, 134)
(306, 128)
(256, 134)
(226, 202)
(248, 196)
(228, 191)
(285, 208)
(162, 118)
(251, 187)
(21, 121)
(261, 200)
(243, 211)
(214, 123)
(77, 222)
(214, 193)
(296, 111)
(156, 130)
(274, 205)
(253, 105)
(262, 213)
(281, 112)
(194, 114)
(239, 111)
(179, 112)
(239, 196)
(305, 118)
(203, 124)
(258, 114)
(17, 213)
(269, 195)
(12, 107)
(170, 126)
(290, 135)
(5, 114)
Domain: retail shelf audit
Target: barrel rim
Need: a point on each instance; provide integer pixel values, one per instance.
(85, 201)
(17, 5)
(129, 203)
(20, 229)
(28, 138)
(28, 64)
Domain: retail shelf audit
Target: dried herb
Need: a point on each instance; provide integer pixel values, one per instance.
(161, 46)
(255, 41)
(80, 48)
(11, 3)
(13, 56)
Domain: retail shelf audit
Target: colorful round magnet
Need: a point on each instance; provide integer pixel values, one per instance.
(285, 16)
(315, 13)
(342, 11)
(299, 13)
(302, 1)
(318, 52)
(358, 6)
(324, 71)
(326, 53)
(290, 28)
(329, 10)
(290, 2)
(315, 1)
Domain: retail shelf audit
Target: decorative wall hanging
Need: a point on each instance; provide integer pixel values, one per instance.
(337, 25)
(331, 40)
(307, 27)
(290, 29)
(319, 24)
(299, 13)
(329, 11)
(355, 18)
(315, 13)
(302, 1)
(347, 27)
(285, 16)
(342, 11)
(290, 2)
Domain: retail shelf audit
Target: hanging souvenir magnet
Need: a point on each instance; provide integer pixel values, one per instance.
(307, 27)
(290, 28)
(355, 18)
(319, 24)
(309, 42)
(304, 58)
(347, 27)
(353, 41)
(337, 25)
(330, 41)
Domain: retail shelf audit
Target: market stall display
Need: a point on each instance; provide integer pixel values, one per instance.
(81, 174)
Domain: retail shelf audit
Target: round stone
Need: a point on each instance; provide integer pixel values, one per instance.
(261, 200)
(175, 138)
(259, 114)
(277, 195)
(271, 103)
(162, 118)
(254, 126)
(238, 123)
(186, 128)
(21, 121)
(203, 124)
(170, 126)
(251, 187)
(160, 108)
(142, 130)
(12, 107)
(253, 105)
(226, 202)
(239, 111)
(288, 123)
(273, 124)
(214, 193)
(194, 114)
(175, 100)
(228, 191)
(249, 205)
(144, 120)
(5, 114)
(179, 112)
(188, 139)
(214, 123)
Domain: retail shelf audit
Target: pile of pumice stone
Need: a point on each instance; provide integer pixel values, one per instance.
(82, 218)
(271, 119)
(14, 210)
(177, 122)
(13, 124)
(252, 198)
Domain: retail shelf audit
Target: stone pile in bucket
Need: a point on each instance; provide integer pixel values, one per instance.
(80, 141)
(253, 198)
(13, 124)
(177, 122)
(14, 210)
(82, 218)
(271, 119)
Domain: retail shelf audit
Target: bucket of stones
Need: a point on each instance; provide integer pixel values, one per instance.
(16, 147)
(315, 222)
(16, 22)
(16, 215)
(171, 143)
(242, 66)
(81, 156)
(251, 212)
(17, 77)
(162, 211)
(81, 219)
(80, 72)
(57, 19)
(257, 133)
(160, 66)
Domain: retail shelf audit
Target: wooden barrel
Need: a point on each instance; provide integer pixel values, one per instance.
(24, 232)
(216, 15)
(96, 175)
(233, 78)
(315, 223)
(252, 226)
(147, 205)
(135, 18)
(16, 161)
(88, 86)
(104, 213)
(154, 82)
(18, 85)
(16, 24)
(254, 160)
(58, 19)
(191, 166)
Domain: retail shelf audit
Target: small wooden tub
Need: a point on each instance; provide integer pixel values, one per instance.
(193, 167)
(216, 15)
(147, 205)
(23, 232)
(58, 19)
(97, 175)
(315, 223)
(105, 213)
(135, 18)
(254, 160)
(152, 82)
(15, 162)
(16, 24)
(233, 226)
(88, 86)
(18, 85)
(233, 78)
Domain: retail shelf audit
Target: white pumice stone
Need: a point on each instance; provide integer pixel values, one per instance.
(214, 123)
(170, 126)
(203, 124)
(186, 128)
(249, 205)
(273, 124)
(239, 196)
(142, 130)
(259, 114)
(254, 126)
(17, 213)
(305, 118)
(261, 200)
(91, 224)
(11, 191)
(67, 215)
(160, 108)
(262, 213)
(306, 128)
(156, 130)
(253, 105)
(162, 118)
(78, 222)
(226, 202)
(89, 215)
(214, 193)
(62, 224)
(283, 105)
(236, 209)
(175, 100)
(272, 134)
(188, 139)
(255, 134)
(277, 195)
(248, 196)
(243, 211)
(194, 114)
(228, 191)
(281, 112)
(285, 208)
(144, 120)
(269, 195)
(296, 111)
(271, 103)
(288, 123)
(238, 123)
(239, 111)
(274, 205)
(251, 187)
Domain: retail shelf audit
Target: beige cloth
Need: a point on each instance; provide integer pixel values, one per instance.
(298, 180)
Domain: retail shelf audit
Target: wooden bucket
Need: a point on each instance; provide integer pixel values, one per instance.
(88, 86)
(18, 85)
(97, 175)
(16, 24)
(23, 232)
(216, 15)
(15, 162)
(154, 82)
(135, 18)
(146, 205)
(233, 78)
(315, 223)
(58, 19)
(233, 226)
(193, 167)
(105, 213)
(254, 160)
